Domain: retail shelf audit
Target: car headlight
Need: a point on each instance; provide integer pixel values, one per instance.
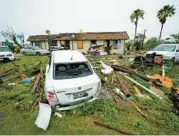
(9, 54)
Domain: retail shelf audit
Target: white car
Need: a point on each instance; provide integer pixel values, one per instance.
(70, 80)
(168, 51)
(6, 54)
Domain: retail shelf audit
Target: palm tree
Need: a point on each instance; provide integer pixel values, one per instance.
(163, 14)
(47, 32)
(48, 38)
(135, 16)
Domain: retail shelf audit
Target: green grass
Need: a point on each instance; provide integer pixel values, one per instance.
(16, 101)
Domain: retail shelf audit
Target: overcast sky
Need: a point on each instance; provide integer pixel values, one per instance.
(33, 17)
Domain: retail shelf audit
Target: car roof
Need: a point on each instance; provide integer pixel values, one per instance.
(68, 56)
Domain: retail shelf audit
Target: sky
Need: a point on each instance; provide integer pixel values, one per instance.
(33, 17)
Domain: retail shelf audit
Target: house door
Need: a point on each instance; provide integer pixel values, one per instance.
(80, 44)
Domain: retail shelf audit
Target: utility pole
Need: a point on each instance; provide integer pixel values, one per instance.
(143, 39)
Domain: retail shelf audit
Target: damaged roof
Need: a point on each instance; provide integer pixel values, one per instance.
(82, 36)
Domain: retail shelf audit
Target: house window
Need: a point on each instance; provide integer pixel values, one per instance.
(116, 44)
(80, 44)
(38, 44)
(54, 43)
(65, 44)
(93, 43)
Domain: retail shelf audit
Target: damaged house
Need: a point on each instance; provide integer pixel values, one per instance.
(82, 41)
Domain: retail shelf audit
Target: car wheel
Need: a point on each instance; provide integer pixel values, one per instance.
(23, 53)
(173, 60)
(38, 54)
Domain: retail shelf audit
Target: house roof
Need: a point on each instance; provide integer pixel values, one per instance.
(82, 36)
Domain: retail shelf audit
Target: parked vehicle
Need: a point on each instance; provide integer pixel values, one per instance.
(70, 80)
(6, 54)
(34, 50)
(168, 51)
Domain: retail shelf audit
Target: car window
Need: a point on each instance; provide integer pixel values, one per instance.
(165, 47)
(26, 48)
(72, 70)
(37, 48)
(4, 49)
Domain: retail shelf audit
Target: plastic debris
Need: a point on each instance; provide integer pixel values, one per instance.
(44, 116)
(105, 68)
(58, 114)
(11, 84)
(27, 80)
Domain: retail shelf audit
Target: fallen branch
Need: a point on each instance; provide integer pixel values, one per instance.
(143, 114)
(113, 96)
(36, 83)
(38, 99)
(109, 127)
(123, 87)
(127, 70)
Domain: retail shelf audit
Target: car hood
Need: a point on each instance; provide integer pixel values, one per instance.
(5, 53)
(163, 53)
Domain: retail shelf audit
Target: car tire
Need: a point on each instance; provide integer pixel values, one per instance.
(38, 53)
(23, 53)
(173, 60)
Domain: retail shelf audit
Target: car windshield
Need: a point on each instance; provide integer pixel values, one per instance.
(165, 47)
(72, 70)
(4, 49)
(36, 48)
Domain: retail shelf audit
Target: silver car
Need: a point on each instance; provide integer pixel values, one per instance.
(168, 51)
(34, 50)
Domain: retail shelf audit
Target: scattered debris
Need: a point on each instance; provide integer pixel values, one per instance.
(145, 88)
(158, 60)
(129, 71)
(58, 114)
(157, 91)
(118, 91)
(138, 109)
(11, 84)
(112, 128)
(44, 116)
(27, 80)
(174, 96)
(123, 87)
(165, 81)
(105, 68)
(38, 99)
(36, 83)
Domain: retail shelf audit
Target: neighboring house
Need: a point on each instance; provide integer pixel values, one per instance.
(170, 40)
(140, 37)
(82, 41)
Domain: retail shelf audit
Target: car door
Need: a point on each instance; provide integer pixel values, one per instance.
(177, 54)
(26, 50)
(31, 51)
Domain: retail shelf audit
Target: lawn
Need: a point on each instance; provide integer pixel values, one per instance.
(16, 101)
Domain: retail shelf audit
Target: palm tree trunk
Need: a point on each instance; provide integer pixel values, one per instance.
(161, 33)
(135, 35)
